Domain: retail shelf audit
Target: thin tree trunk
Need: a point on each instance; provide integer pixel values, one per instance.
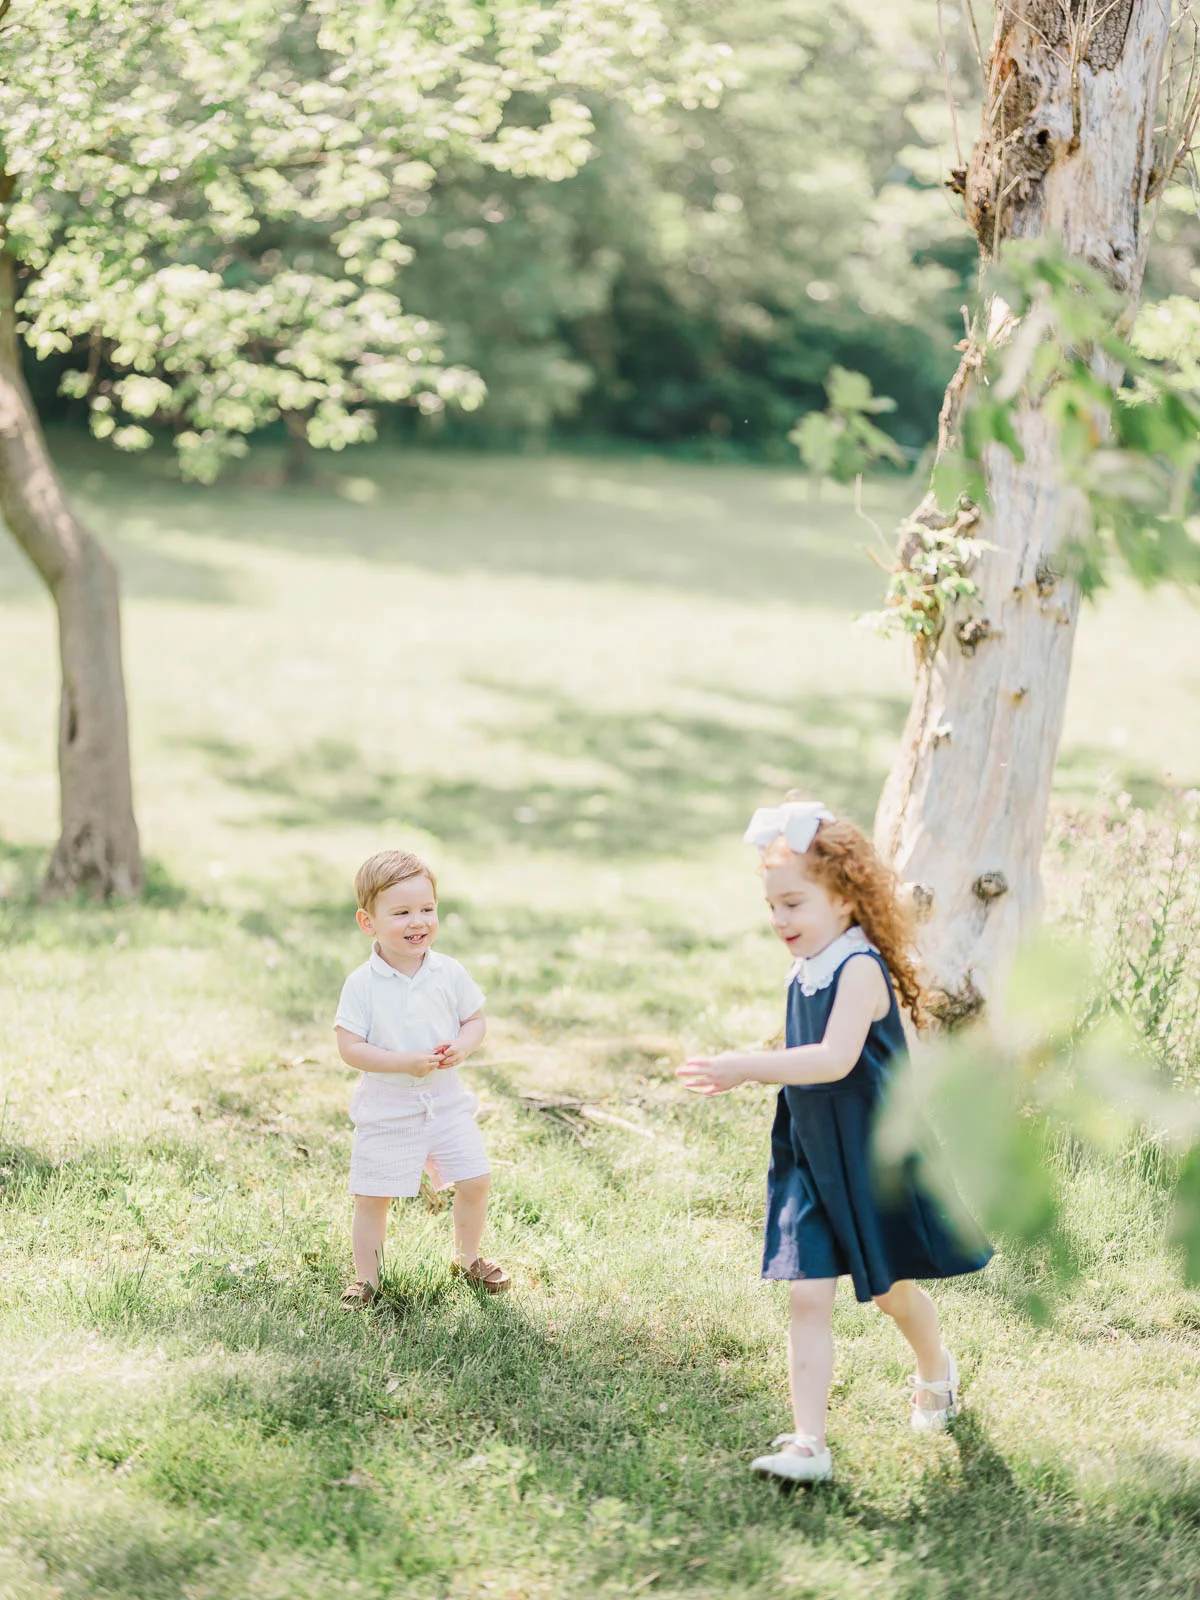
(98, 851)
(1065, 148)
(298, 465)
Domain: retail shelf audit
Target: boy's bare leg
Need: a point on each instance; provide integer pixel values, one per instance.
(470, 1214)
(367, 1234)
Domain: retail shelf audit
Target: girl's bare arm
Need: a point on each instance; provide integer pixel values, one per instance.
(862, 998)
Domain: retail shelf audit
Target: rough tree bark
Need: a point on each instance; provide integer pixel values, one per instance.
(1065, 148)
(98, 851)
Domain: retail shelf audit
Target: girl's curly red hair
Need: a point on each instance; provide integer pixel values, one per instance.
(844, 861)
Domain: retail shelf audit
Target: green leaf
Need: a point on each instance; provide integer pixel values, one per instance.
(986, 421)
(815, 437)
(848, 391)
(957, 477)
(1184, 1232)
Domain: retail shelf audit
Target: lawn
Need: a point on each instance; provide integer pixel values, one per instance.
(569, 680)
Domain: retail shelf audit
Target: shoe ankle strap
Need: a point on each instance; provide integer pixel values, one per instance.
(942, 1386)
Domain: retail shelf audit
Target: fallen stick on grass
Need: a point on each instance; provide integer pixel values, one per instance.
(566, 1108)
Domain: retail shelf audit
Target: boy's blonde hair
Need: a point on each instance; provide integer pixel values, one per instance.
(384, 870)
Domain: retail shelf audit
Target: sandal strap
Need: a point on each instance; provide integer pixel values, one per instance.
(801, 1440)
(485, 1271)
(942, 1386)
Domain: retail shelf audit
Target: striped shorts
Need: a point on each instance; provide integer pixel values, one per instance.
(400, 1134)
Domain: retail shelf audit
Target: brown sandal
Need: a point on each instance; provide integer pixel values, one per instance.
(357, 1296)
(487, 1274)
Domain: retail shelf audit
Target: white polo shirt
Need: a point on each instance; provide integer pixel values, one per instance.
(396, 1012)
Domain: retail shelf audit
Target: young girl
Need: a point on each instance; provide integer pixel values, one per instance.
(834, 904)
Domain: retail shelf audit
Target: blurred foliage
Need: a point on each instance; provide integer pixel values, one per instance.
(1055, 1070)
(1138, 882)
(1091, 1050)
(841, 441)
(698, 277)
(206, 198)
(1126, 416)
(496, 222)
(662, 222)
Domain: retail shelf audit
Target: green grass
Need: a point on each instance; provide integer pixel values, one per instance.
(570, 681)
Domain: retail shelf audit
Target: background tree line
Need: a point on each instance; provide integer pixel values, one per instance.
(692, 282)
(689, 275)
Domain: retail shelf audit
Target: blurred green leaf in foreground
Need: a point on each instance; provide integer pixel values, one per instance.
(841, 441)
(1057, 1069)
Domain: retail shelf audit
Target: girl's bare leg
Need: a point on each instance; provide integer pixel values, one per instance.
(915, 1314)
(367, 1234)
(810, 1355)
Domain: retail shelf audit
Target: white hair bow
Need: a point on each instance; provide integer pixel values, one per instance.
(796, 820)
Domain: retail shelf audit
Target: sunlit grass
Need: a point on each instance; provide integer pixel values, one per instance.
(570, 681)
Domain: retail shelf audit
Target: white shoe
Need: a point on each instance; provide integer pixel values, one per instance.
(935, 1419)
(793, 1468)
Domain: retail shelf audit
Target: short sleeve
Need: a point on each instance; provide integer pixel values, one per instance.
(354, 1007)
(468, 996)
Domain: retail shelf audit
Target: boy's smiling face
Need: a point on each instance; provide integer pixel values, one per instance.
(403, 921)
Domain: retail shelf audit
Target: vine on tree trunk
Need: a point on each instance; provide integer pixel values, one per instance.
(1128, 447)
(1129, 452)
(935, 554)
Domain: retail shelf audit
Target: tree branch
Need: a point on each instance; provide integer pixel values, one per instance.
(949, 89)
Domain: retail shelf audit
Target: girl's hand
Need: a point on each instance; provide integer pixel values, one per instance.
(712, 1074)
(449, 1055)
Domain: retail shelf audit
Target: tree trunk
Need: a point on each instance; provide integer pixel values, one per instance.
(1066, 148)
(298, 465)
(98, 851)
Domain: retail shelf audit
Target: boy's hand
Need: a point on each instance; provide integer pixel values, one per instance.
(419, 1063)
(712, 1074)
(450, 1054)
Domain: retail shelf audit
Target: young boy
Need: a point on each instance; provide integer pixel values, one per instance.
(407, 1019)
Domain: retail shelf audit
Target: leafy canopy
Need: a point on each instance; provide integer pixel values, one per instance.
(211, 193)
(1125, 412)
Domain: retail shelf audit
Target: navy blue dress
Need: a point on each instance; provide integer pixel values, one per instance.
(829, 1210)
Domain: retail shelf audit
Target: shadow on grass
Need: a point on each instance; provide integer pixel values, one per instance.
(628, 1429)
(741, 533)
(669, 783)
(1085, 772)
(75, 920)
(78, 1548)
(312, 1434)
(22, 1168)
(21, 869)
(987, 1529)
(133, 533)
(94, 1179)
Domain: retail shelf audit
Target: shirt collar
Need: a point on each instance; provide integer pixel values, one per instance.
(385, 970)
(818, 972)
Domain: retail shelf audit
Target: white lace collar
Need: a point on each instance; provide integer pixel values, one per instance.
(819, 971)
